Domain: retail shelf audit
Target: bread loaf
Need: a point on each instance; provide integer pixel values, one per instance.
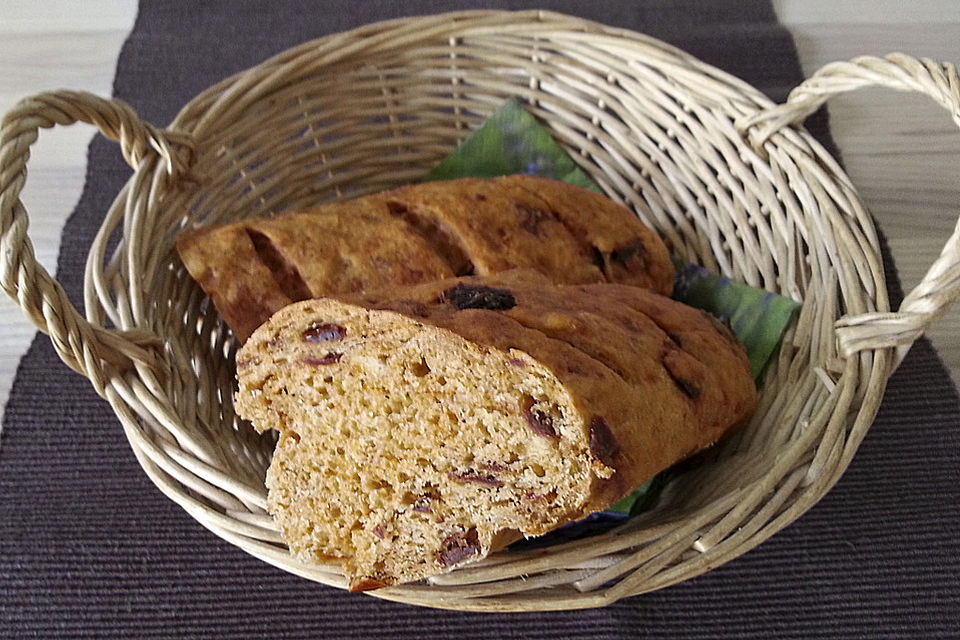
(419, 233)
(422, 427)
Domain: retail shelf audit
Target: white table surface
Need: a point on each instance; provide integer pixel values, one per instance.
(900, 150)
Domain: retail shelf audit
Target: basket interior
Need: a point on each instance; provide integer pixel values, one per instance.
(654, 128)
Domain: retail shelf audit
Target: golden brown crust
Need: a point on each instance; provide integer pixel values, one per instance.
(225, 264)
(624, 249)
(253, 268)
(421, 233)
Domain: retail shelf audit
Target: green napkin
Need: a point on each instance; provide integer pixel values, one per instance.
(511, 141)
(757, 317)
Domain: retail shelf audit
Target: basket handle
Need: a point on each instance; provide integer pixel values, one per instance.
(930, 299)
(89, 349)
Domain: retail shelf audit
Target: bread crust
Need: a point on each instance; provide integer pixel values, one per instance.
(419, 233)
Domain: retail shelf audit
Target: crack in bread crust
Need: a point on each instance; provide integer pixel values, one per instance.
(284, 272)
(639, 259)
(435, 234)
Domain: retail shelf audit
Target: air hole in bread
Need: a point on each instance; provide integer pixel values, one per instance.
(420, 369)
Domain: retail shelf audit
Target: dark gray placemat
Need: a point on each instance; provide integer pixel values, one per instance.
(89, 547)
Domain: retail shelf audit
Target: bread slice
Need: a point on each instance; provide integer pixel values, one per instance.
(420, 428)
(419, 233)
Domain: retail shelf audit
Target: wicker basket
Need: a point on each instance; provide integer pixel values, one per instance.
(730, 180)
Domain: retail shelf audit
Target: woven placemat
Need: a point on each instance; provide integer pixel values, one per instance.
(89, 547)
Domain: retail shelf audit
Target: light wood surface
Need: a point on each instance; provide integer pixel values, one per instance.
(900, 151)
(43, 46)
